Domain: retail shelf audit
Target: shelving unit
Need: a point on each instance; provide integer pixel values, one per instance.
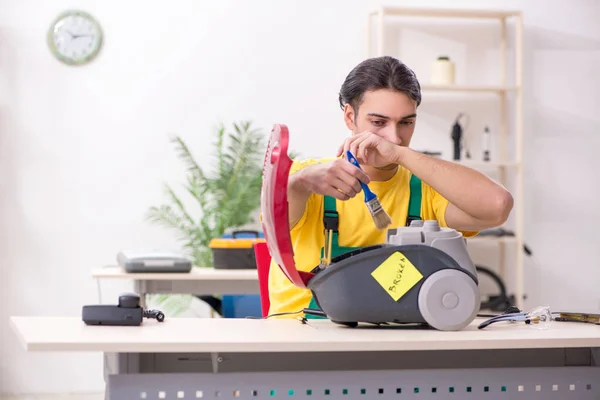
(467, 88)
(502, 90)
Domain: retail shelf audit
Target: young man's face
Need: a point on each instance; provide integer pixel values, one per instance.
(389, 114)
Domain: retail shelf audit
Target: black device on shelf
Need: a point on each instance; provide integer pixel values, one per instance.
(126, 313)
(458, 136)
(456, 139)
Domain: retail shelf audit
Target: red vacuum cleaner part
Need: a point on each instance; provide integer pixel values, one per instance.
(274, 206)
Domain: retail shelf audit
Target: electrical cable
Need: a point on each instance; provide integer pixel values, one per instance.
(310, 311)
(539, 316)
(213, 302)
(509, 310)
(275, 315)
(501, 301)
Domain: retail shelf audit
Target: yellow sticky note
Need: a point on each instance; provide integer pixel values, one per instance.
(397, 275)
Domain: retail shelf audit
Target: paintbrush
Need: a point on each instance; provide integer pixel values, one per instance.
(380, 217)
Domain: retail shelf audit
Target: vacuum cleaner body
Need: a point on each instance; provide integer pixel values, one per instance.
(422, 274)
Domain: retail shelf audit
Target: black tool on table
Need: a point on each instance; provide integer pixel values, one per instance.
(126, 313)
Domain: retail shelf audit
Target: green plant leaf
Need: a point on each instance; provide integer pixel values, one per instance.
(171, 305)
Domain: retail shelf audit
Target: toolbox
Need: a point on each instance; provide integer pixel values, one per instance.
(235, 250)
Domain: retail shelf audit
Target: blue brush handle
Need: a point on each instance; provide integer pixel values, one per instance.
(368, 194)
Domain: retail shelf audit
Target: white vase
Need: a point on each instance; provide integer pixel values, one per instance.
(442, 71)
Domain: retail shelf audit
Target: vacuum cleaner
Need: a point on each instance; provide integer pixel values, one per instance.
(421, 275)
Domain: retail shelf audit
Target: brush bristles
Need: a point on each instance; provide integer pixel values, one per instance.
(382, 220)
(380, 217)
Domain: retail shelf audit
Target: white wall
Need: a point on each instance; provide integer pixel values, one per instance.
(84, 151)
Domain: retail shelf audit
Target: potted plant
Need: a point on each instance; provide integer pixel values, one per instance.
(226, 197)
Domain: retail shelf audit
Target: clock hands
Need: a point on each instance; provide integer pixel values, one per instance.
(77, 36)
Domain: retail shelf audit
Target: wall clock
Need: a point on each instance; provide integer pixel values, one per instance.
(75, 37)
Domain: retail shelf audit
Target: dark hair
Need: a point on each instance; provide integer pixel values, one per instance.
(379, 73)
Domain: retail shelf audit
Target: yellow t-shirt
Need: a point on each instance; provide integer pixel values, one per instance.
(356, 229)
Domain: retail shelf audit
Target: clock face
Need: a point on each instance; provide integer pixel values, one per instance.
(75, 38)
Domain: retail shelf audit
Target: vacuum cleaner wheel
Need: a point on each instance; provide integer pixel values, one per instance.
(449, 300)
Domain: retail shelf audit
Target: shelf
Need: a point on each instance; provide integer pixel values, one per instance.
(468, 88)
(486, 165)
(482, 165)
(492, 239)
(445, 13)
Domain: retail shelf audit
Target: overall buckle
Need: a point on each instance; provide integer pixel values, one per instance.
(331, 221)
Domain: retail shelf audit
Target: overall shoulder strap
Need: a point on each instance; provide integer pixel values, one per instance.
(330, 214)
(329, 203)
(414, 203)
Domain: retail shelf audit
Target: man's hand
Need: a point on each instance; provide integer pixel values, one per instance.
(337, 178)
(371, 149)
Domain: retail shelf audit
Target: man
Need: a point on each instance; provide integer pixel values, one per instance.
(379, 99)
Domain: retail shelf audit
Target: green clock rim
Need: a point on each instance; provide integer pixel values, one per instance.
(54, 50)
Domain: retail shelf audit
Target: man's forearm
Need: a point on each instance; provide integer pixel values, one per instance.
(469, 190)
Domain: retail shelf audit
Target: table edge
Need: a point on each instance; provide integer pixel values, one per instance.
(323, 347)
(100, 273)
